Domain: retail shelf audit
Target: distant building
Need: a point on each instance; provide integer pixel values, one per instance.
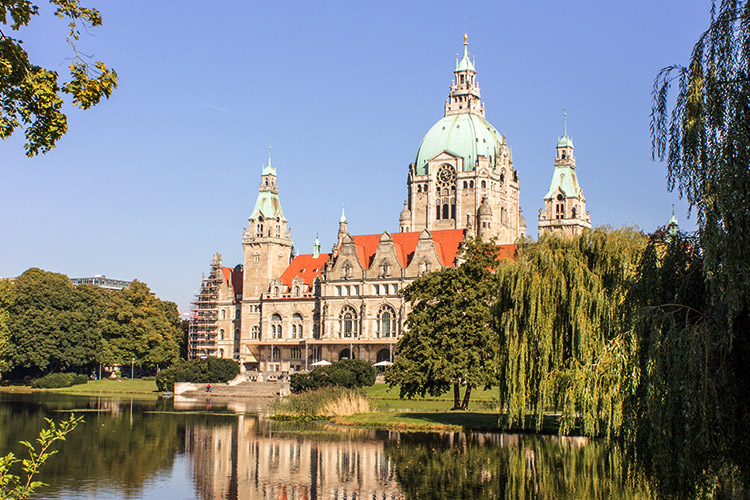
(102, 281)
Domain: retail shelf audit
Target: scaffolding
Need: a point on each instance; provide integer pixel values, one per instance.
(204, 313)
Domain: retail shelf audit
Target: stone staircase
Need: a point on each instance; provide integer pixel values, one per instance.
(237, 390)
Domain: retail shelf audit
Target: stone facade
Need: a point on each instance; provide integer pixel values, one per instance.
(278, 313)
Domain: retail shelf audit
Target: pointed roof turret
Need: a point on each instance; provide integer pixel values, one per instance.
(565, 141)
(268, 203)
(316, 247)
(465, 64)
(343, 215)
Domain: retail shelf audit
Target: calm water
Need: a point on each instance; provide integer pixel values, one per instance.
(149, 449)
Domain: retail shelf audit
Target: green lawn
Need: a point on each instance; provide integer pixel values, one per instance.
(106, 386)
(436, 420)
(479, 398)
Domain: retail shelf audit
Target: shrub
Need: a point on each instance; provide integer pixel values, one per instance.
(347, 373)
(209, 370)
(58, 380)
(325, 402)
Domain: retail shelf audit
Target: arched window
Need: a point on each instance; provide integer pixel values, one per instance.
(296, 291)
(316, 326)
(346, 354)
(453, 210)
(236, 334)
(221, 353)
(386, 322)
(384, 355)
(223, 314)
(348, 322)
(446, 214)
(275, 354)
(437, 212)
(254, 332)
(276, 327)
(466, 184)
(564, 155)
(221, 334)
(296, 353)
(484, 184)
(471, 184)
(297, 326)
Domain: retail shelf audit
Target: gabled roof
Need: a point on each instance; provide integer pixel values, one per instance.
(306, 267)
(446, 245)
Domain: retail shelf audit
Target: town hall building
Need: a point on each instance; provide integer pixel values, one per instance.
(279, 313)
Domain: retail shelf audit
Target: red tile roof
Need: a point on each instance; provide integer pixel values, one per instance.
(446, 246)
(306, 267)
(233, 278)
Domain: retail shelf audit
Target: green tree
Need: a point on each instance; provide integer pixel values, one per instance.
(705, 139)
(137, 325)
(5, 302)
(31, 96)
(53, 326)
(565, 340)
(450, 339)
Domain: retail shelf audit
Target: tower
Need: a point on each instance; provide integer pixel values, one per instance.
(462, 161)
(564, 209)
(267, 244)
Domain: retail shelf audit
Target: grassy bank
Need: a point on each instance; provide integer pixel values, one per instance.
(107, 386)
(415, 420)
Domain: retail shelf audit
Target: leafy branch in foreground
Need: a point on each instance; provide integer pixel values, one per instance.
(30, 95)
(13, 487)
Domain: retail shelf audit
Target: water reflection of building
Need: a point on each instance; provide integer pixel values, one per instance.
(238, 461)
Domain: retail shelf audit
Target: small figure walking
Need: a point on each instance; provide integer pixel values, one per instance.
(208, 387)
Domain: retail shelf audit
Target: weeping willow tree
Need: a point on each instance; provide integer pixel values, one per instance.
(703, 133)
(566, 346)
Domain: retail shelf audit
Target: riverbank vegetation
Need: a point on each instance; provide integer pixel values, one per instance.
(347, 373)
(47, 325)
(325, 402)
(201, 371)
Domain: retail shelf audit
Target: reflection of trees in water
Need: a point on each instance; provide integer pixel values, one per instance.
(118, 449)
(457, 465)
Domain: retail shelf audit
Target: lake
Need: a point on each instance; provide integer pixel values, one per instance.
(162, 450)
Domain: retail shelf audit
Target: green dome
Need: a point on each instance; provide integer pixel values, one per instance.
(465, 135)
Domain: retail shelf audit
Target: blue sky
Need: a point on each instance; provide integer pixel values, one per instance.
(151, 183)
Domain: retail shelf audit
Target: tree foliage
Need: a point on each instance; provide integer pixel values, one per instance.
(450, 339)
(705, 139)
(30, 95)
(201, 371)
(53, 326)
(348, 373)
(565, 344)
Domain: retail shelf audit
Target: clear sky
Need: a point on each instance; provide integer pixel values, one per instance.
(151, 183)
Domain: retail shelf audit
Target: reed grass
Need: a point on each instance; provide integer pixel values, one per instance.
(323, 403)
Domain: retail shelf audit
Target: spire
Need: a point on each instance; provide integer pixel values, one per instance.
(343, 220)
(464, 95)
(565, 141)
(316, 247)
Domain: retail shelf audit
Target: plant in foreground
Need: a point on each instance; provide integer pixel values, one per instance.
(13, 487)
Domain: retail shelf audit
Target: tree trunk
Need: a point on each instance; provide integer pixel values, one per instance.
(456, 396)
(467, 395)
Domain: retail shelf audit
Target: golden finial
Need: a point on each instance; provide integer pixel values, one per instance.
(466, 38)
